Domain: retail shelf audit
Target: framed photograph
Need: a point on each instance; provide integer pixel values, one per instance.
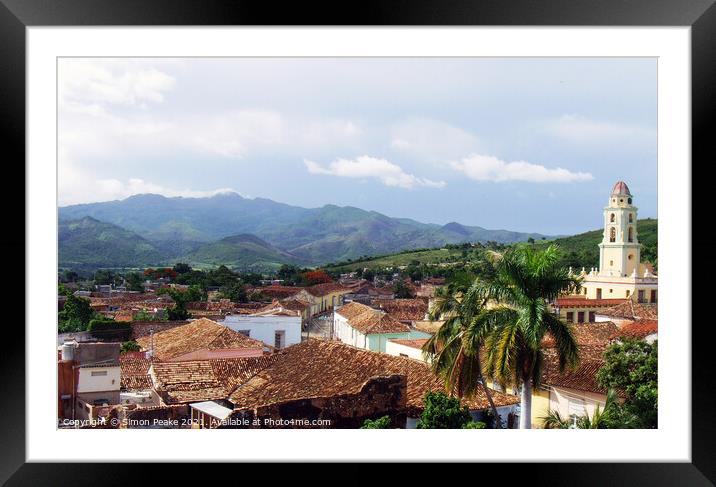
(286, 227)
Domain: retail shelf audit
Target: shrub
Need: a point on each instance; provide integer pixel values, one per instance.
(377, 424)
(130, 346)
(474, 425)
(443, 412)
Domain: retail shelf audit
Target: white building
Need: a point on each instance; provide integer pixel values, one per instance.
(364, 327)
(407, 348)
(278, 331)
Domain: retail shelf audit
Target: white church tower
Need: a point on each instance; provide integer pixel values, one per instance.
(621, 274)
(619, 252)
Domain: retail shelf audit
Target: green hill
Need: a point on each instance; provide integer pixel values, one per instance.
(245, 252)
(88, 244)
(579, 251)
(582, 250)
(317, 235)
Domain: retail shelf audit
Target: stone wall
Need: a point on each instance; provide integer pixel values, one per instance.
(378, 397)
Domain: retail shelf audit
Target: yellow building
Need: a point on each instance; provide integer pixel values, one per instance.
(325, 297)
(621, 273)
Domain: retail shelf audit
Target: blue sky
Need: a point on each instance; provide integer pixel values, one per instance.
(529, 144)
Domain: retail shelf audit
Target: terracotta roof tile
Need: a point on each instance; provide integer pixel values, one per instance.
(134, 372)
(204, 380)
(201, 334)
(417, 343)
(630, 310)
(327, 288)
(370, 321)
(594, 334)
(583, 378)
(322, 368)
(428, 326)
(403, 309)
(638, 329)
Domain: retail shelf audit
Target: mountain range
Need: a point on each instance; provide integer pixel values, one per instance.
(246, 233)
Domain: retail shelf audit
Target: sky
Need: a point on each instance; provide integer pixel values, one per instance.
(525, 144)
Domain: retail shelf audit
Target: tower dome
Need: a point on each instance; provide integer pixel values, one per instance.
(621, 189)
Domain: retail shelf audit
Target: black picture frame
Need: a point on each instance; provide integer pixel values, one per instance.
(16, 15)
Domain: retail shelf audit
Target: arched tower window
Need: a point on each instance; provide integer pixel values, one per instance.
(631, 234)
(612, 234)
(611, 218)
(631, 217)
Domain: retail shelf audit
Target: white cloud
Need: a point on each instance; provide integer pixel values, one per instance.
(116, 189)
(88, 84)
(370, 167)
(580, 129)
(489, 168)
(77, 186)
(432, 139)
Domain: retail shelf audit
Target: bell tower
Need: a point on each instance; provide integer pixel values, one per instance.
(620, 251)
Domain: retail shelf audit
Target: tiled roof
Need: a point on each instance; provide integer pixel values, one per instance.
(201, 334)
(638, 329)
(123, 315)
(586, 303)
(417, 343)
(134, 372)
(584, 378)
(279, 308)
(204, 380)
(370, 321)
(322, 368)
(295, 304)
(327, 288)
(279, 292)
(403, 309)
(590, 334)
(621, 188)
(630, 310)
(428, 326)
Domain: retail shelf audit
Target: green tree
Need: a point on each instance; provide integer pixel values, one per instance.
(144, 315)
(474, 425)
(236, 292)
(376, 424)
(130, 346)
(632, 368)
(75, 315)
(443, 412)
(134, 281)
(70, 276)
(181, 268)
(401, 290)
(181, 299)
(526, 280)
(63, 290)
(177, 313)
(104, 276)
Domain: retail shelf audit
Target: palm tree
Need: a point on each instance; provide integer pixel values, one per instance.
(453, 349)
(598, 420)
(553, 420)
(519, 317)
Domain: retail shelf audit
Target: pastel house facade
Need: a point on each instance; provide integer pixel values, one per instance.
(364, 327)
